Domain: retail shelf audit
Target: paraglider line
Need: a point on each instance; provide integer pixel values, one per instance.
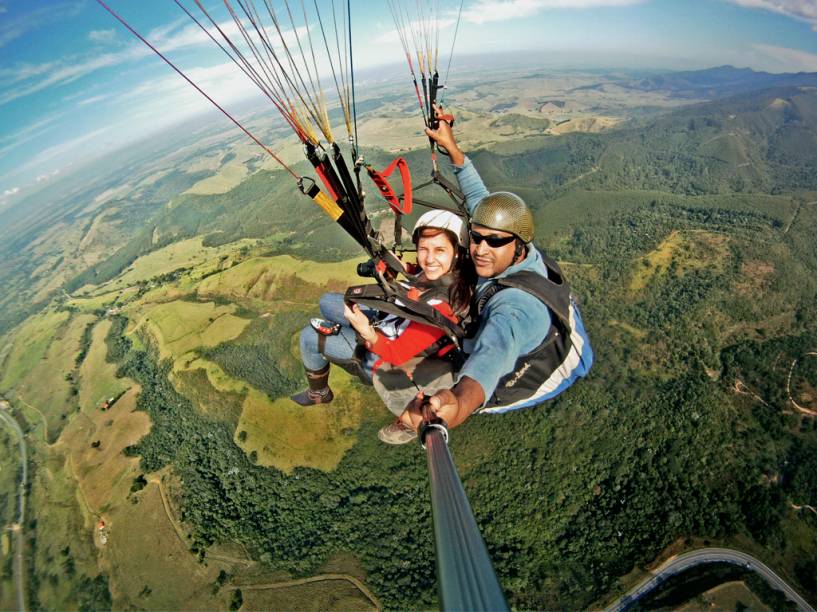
(199, 89)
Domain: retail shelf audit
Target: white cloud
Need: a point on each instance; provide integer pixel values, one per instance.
(104, 37)
(94, 99)
(782, 59)
(15, 27)
(68, 71)
(45, 177)
(393, 37)
(179, 34)
(22, 72)
(484, 11)
(8, 194)
(805, 10)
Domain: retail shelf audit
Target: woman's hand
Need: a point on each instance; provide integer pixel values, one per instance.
(360, 322)
(444, 137)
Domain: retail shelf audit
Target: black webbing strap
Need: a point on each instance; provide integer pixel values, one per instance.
(396, 302)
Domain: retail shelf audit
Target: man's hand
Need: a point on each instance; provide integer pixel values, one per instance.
(446, 405)
(453, 405)
(444, 137)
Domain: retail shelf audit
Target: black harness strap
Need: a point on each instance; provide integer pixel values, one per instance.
(548, 290)
(378, 298)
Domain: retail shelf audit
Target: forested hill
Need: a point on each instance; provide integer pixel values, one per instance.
(765, 142)
(721, 81)
(698, 288)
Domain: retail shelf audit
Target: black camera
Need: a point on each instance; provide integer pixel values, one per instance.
(366, 269)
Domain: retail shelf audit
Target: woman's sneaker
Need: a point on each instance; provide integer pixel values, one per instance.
(396, 433)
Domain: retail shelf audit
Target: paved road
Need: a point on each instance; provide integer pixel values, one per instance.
(17, 528)
(685, 561)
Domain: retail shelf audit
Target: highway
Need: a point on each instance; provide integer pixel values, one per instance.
(685, 561)
(17, 528)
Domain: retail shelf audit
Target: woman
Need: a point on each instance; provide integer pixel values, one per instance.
(445, 282)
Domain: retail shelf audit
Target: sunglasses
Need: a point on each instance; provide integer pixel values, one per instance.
(493, 241)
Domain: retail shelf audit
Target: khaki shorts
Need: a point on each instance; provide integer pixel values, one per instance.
(396, 389)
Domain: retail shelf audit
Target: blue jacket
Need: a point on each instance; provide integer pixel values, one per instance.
(513, 322)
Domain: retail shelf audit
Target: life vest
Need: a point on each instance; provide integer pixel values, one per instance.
(392, 326)
(399, 305)
(404, 302)
(562, 356)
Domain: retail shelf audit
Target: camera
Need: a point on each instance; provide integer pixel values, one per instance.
(366, 269)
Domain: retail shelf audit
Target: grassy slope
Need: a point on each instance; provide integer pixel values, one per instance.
(98, 377)
(32, 341)
(287, 436)
(42, 371)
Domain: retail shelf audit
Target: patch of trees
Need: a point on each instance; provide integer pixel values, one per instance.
(139, 483)
(84, 344)
(261, 355)
(93, 594)
(569, 496)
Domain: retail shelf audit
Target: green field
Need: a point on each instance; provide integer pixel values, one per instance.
(9, 491)
(185, 254)
(150, 567)
(273, 282)
(93, 444)
(30, 345)
(727, 596)
(179, 327)
(63, 553)
(111, 299)
(282, 434)
(228, 177)
(43, 373)
(98, 381)
(313, 597)
(9, 474)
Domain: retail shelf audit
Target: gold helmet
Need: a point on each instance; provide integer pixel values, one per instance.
(507, 212)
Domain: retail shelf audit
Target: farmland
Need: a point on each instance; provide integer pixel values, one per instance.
(696, 278)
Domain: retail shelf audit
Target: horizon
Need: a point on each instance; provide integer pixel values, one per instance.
(101, 90)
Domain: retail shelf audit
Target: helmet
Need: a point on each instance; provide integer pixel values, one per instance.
(507, 212)
(445, 220)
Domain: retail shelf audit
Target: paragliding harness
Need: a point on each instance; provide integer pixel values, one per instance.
(411, 304)
(532, 368)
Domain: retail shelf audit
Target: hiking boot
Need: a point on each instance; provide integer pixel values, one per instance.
(318, 391)
(396, 433)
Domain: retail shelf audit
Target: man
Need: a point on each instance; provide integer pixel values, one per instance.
(530, 343)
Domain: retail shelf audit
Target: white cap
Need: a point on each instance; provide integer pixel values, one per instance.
(446, 220)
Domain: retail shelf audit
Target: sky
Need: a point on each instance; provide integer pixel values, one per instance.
(75, 84)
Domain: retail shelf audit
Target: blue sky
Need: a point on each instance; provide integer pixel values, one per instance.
(75, 84)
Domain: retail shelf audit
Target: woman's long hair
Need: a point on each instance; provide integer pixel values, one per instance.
(463, 274)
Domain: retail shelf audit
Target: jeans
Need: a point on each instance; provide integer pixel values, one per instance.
(340, 347)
